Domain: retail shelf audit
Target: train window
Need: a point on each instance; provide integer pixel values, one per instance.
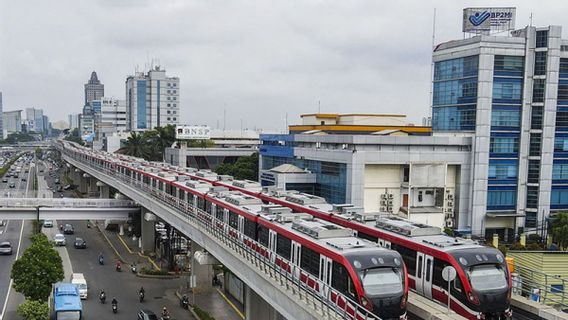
(233, 220)
(341, 280)
(409, 257)
(200, 203)
(250, 228)
(169, 189)
(419, 275)
(428, 267)
(208, 207)
(146, 180)
(263, 235)
(457, 285)
(181, 194)
(439, 265)
(219, 213)
(368, 237)
(310, 261)
(153, 183)
(283, 246)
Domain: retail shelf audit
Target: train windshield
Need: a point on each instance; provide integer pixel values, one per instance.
(382, 281)
(487, 277)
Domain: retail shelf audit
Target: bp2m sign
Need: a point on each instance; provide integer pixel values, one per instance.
(487, 20)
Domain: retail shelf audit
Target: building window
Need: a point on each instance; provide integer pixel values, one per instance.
(504, 145)
(564, 68)
(174, 112)
(542, 39)
(456, 68)
(507, 89)
(330, 168)
(174, 119)
(532, 196)
(534, 144)
(168, 91)
(169, 84)
(454, 117)
(530, 220)
(560, 171)
(533, 171)
(168, 98)
(175, 91)
(536, 117)
(538, 90)
(168, 111)
(502, 170)
(169, 105)
(175, 105)
(175, 98)
(562, 120)
(505, 117)
(563, 92)
(559, 197)
(540, 63)
(168, 119)
(561, 144)
(501, 198)
(509, 66)
(455, 92)
(175, 84)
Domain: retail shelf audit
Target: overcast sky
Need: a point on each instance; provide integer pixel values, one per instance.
(257, 59)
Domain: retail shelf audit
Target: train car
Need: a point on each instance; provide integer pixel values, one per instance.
(342, 268)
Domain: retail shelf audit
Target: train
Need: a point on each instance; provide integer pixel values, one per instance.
(342, 268)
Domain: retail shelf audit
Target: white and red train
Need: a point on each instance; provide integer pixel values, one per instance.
(325, 256)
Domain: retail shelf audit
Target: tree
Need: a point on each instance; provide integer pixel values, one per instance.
(74, 136)
(37, 270)
(34, 310)
(560, 229)
(165, 137)
(245, 168)
(136, 145)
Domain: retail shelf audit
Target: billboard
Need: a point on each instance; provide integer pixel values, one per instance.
(487, 20)
(193, 132)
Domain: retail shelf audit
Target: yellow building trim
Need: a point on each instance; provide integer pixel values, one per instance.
(409, 129)
(321, 115)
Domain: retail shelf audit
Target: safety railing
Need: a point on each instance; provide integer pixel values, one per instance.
(330, 305)
(64, 203)
(540, 287)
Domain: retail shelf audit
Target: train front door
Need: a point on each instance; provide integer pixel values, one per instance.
(424, 269)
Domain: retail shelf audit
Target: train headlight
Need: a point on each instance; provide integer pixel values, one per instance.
(366, 303)
(403, 302)
(472, 298)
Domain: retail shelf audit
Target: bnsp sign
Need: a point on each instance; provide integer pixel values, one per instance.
(486, 20)
(193, 132)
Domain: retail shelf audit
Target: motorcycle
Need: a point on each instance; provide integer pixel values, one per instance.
(165, 317)
(118, 267)
(133, 268)
(114, 308)
(101, 260)
(102, 298)
(184, 302)
(141, 296)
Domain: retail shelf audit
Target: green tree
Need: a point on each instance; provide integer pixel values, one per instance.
(137, 145)
(165, 137)
(34, 310)
(560, 229)
(243, 168)
(37, 270)
(74, 136)
(202, 143)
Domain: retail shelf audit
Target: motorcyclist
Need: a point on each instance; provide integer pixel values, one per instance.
(165, 313)
(114, 302)
(141, 293)
(102, 296)
(118, 265)
(101, 258)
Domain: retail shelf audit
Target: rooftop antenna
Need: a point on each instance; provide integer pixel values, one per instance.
(319, 106)
(432, 61)
(286, 121)
(530, 19)
(224, 116)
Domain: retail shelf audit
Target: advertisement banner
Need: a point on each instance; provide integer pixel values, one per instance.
(193, 133)
(487, 20)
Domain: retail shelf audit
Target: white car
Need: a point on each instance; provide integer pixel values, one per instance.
(59, 240)
(48, 224)
(2, 223)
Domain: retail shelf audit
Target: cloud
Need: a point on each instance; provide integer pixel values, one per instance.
(258, 60)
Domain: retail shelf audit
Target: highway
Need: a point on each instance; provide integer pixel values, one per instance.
(17, 233)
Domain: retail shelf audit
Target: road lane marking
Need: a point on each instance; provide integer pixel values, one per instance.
(11, 280)
(231, 304)
(140, 254)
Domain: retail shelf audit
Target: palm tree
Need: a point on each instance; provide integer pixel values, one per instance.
(165, 137)
(137, 146)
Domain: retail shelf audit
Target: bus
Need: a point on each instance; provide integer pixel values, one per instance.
(67, 302)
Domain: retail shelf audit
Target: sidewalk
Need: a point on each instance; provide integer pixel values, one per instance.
(215, 302)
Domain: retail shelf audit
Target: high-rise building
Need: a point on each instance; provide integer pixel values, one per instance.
(12, 122)
(34, 120)
(46, 125)
(152, 100)
(74, 121)
(110, 118)
(510, 94)
(87, 123)
(94, 89)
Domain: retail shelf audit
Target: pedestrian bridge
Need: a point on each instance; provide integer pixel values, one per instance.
(66, 209)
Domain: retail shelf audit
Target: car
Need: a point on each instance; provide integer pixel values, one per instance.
(5, 180)
(68, 229)
(6, 248)
(24, 179)
(48, 223)
(59, 240)
(59, 189)
(2, 223)
(12, 185)
(145, 314)
(80, 243)
(16, 176)
(57, 181)
(68, 187)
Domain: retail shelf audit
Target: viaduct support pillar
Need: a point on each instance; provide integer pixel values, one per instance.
(104, 190)
(93, 188)
(148, 230)
(82, 183)
(202, 268)
(258, 308)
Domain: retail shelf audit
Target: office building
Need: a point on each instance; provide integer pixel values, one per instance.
(110, 116)
(2, 134)
(94, 89)
(87, 124)
(510, 94)
(73, 121)
(34, 120)
(152, 100)
(12, 122)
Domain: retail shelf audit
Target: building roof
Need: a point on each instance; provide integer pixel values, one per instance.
(287, 168)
